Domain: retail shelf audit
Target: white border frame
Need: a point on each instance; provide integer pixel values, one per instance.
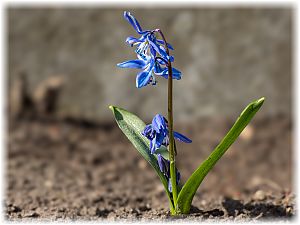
(149, 3)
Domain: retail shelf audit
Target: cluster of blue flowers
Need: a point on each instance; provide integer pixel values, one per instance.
(158, 134)
(152, 57)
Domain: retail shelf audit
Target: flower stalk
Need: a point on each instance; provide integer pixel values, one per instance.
(171, 146)
(170, 124)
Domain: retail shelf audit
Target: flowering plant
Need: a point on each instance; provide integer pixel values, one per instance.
(156, 141)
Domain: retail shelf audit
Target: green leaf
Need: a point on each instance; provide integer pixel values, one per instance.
(163, 151)
(189, 189)
(132, 127)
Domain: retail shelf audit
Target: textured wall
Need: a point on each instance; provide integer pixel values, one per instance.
(228, 56)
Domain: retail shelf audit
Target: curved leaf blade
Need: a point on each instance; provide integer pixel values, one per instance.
(132, 126)
(190, 187)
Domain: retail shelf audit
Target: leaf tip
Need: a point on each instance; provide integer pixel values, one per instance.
(111, 107)
(258, 103)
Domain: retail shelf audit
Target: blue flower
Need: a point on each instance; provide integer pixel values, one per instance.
(145, 76)
(149, 67)
(147, 40)
(164, 166)
(152, 56)
(158, 134)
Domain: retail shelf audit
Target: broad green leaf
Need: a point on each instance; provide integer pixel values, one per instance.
(132, 127)
(190, 187)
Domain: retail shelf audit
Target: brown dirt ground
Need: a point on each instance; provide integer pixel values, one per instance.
(75, 170)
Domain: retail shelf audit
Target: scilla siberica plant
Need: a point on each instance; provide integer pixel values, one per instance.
(156, 141)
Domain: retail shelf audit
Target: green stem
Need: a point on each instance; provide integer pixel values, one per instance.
(170, 125)
(171, 135)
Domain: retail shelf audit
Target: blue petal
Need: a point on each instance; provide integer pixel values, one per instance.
(132, 40)
(157, 69)
(140, 55)
(134, 64)
(176, 74)
(181, 137)
(161, 72)
(164, 165)
(151, 41)
(178, 176)
(143, 78)
(158, 123)
(171, 58)
(135, 24)
(152, 146)
(159, 49)
(143, 38)
(141, 49)
(160, 61)
(147, 132)
(170, 185)
(162, 42)
(159, 140)
(164, 54)
(166, 140)
(160, 162)
(152, 50)
(177, 180)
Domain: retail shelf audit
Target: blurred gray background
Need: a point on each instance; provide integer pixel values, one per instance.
(228, 57)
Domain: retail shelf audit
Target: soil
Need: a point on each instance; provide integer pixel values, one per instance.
(66, 170)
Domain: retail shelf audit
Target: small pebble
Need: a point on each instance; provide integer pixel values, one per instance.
(289, 210)
(48, 184)
(259, 195)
